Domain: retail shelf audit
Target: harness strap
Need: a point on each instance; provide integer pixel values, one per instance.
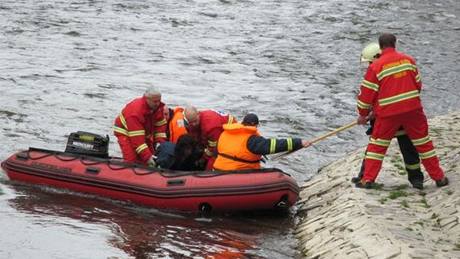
(239, 159)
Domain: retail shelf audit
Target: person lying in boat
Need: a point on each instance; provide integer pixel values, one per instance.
(241, 146)
(206, 127)
(183, 155)
(140, 127)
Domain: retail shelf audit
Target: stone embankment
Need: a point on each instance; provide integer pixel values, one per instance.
(393, 221)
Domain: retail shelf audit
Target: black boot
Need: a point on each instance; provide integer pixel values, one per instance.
(415, 178)
(443, 182)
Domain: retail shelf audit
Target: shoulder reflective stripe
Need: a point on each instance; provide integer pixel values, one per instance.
(272, 146)
(160, 123)
(160, 135)
(412, 167)
(141, 148)
(428, 154)
(418, 78)
(421, 141)
(400, 133)
(120, 130)
(136, 133)
(363, 105)
(375, 156)
(123, 121)
(380, 142)
(289, 144)
(369, 85)
(399, 98)
(396, 69)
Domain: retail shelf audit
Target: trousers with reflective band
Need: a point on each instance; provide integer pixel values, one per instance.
(416, 127)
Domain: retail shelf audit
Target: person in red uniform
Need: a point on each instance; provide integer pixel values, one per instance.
(140, 126)
(206, 127)
(408, 151)
(241, 147)
(391, 86)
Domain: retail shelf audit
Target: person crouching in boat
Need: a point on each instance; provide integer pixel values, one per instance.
(206, 127)
(241, 147)
(175, 123)
(183, 155)
(140, 126)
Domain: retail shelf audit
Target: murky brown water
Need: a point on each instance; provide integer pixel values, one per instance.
(72, 65)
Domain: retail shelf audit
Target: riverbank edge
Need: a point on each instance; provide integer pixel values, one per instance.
(337, 220)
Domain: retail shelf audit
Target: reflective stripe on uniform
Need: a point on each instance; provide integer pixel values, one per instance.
(136, 133)
(399, 98)
(289, 144)
(123, 121)
(380, 142)
(160, 135)
(120, 130)
(212, 143)
(230, 119)
(418, 78)
(141, 148)
(363, 105)
(413, 167)
(428, 154)
(272, 146)
(208, 152)
(375, 156)
(421, 141)
(369, 85)
(160, 123)
(396, 69)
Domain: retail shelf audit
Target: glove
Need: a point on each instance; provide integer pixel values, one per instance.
(151, 162)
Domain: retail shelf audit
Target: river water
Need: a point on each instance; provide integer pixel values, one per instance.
(72, 65)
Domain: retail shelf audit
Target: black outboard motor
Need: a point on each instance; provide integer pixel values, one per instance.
(89, 144)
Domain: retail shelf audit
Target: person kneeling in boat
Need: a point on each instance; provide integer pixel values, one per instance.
(241, 147)
(140, 127)
(183, 155)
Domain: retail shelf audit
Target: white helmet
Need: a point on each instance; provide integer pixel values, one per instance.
(370, 52)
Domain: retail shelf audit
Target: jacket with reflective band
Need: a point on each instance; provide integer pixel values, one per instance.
(142, 125)
(391, 85)
(210, 129)
(232, 150)
(176, 125)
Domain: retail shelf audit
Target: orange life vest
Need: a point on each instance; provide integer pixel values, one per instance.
(176, 125)
(232, 151)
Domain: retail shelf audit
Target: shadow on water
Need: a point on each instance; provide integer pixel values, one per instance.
(142, 232)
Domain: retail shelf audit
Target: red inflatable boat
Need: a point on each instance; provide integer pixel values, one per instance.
(165, 189)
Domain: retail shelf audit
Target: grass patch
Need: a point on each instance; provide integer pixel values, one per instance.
(424, 203)
(396, 194)
(383, 200)
(404, 204)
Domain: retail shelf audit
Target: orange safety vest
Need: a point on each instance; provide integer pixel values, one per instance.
(176, 125)
(232, 151)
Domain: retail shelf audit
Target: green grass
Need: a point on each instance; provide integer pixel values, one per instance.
(404, 204)
(396, 194)
(424, 203)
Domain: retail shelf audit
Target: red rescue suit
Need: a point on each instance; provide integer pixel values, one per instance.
(208, 132)
(137, 128)
(392, 87)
